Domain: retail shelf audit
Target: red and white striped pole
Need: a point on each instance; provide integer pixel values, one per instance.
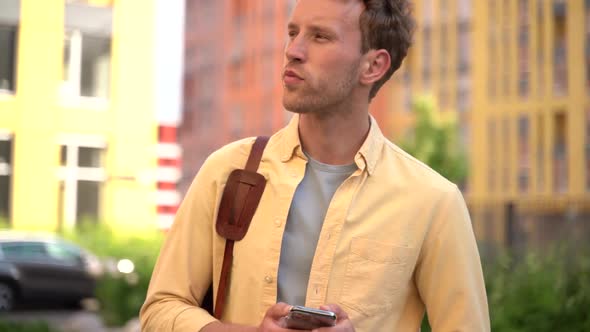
(168, 174)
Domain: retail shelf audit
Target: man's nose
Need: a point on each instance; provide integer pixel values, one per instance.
(296, 50)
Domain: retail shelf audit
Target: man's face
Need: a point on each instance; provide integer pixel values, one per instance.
(322, 56)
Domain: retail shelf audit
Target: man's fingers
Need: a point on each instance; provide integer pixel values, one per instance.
(278, 310)
(340, 313)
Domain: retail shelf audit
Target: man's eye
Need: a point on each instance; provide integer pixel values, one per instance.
(292, 34)
(320, 37)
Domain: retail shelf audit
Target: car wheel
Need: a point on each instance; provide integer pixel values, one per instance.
(6, 297)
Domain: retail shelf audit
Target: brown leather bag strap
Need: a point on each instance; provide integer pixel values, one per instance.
(256, 153)
(242, 193)
(228, 257)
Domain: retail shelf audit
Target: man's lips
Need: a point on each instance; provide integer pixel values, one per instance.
(291, 77)
(291, 73)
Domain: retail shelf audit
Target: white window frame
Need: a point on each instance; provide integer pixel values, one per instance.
(10, 16)
(71, 85)
(71, 173)
(6, 168)
(85, 19)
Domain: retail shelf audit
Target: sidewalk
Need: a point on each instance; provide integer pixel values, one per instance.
(70, 321)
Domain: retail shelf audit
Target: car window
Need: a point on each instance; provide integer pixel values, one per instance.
(64, 253)
(24, 250)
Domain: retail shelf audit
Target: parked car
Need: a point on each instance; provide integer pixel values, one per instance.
(35, 266)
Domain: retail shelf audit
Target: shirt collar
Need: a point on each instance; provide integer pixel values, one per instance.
(368, 155)
(366, 158)
(291, 144)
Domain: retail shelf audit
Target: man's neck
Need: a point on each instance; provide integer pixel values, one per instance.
(334, 138)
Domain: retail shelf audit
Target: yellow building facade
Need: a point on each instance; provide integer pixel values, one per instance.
(78, 129)
(517, 74)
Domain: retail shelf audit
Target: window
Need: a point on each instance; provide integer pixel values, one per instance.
(290, 6)
(202, 14)
(427, 41)
(237, 123)
(238, 61)
(541, 153)
(588, 149)
(540, 48)
(560, 165)
(407, 91)
(465, 9)
(237, 72)
(505, 154)
(523, 153)
(7, 57)
(267, 70)
(428, 12)
(406, 80)
(406, 69)
(25, 251)
(5, 175)
(443, 95)
(523, 48)
(9, 21)
(463, 94)
(587, 48)
(443, 11)
(426, 55)
(64, 253)
(560, 74)
(492, 46)
(268, 11)
(443, 47)
(464, 47)
(81, 177)
(87, 51)
(506, 47)
(86, 65)
(465, 143)
(492, 155)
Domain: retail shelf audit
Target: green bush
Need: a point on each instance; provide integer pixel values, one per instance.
(25, 326)
(121, 295)
(542, 291)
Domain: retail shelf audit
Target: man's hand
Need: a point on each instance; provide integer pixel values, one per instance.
(273, 320)
(343, 323)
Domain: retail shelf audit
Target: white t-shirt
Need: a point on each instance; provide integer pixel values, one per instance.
(304, 223)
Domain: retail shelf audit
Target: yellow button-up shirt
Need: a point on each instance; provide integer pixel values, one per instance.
(396, 241)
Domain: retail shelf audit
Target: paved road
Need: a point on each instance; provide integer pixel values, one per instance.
(68, 320)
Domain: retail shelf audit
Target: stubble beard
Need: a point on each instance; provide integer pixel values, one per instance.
(323, 97)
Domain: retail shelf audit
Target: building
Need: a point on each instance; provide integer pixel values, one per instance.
(79, 113)
(234, 52)
(517, 73)
(514, 73)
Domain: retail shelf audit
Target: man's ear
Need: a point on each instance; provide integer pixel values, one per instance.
(375, 65)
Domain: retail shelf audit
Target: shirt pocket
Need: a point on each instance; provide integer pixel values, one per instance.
(375, 271)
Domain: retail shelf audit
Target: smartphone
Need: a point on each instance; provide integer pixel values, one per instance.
(304, 318)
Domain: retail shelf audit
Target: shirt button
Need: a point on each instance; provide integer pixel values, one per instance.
(268, 279)
(278, 222)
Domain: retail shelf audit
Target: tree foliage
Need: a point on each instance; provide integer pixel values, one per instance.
(435, 140)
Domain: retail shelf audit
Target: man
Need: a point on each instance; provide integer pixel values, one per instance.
(348, 222)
